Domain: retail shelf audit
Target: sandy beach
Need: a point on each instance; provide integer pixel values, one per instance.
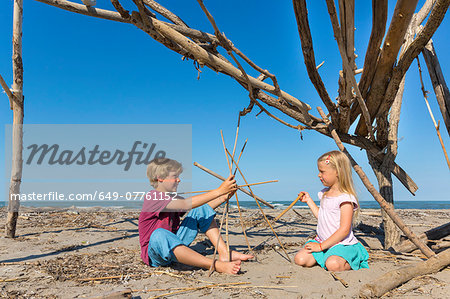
(88, 252)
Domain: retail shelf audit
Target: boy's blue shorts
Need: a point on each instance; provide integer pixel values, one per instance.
(162, 242)
(356, 255)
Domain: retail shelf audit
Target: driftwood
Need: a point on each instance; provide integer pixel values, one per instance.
(432, 234)
(397, 277)
(384, 205)
(438, 81)
(17, 129)
(223, 179)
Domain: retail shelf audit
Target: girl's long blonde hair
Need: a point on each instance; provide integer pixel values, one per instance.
(341, 163)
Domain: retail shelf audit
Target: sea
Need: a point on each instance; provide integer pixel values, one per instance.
(246, 204)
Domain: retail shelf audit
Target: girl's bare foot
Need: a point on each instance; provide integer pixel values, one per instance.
(236, 256)
(228, 267)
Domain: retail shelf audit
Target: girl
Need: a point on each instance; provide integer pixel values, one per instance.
(335, 248)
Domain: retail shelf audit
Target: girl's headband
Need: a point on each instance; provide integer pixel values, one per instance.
(327, 160)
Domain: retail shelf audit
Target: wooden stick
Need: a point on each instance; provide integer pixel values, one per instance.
(227, 206)
(259, 206)
(223, 179)
(288, 208)
(335, 276)
(240, 186)
(239, 206)
(384, 205)
(436, 125)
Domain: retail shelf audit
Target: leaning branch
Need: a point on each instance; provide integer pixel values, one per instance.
(301, 15)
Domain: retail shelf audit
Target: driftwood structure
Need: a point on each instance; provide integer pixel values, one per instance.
(373, 103)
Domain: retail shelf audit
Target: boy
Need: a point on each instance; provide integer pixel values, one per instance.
(163, 239)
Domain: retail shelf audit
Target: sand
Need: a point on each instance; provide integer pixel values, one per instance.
(55, 249)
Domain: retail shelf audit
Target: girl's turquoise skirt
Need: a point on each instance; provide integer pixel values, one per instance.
(356, 255)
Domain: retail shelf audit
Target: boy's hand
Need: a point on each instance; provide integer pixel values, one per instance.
(312, 247)
(305, 197)
(229, 185)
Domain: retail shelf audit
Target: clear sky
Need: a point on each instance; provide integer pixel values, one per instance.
(84, 70)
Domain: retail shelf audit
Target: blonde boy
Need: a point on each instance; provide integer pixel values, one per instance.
(164, 239)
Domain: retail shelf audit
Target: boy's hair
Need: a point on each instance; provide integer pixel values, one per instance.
(160, 168)
(341, 163)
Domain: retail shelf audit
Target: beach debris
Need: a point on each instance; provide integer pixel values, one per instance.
(115, 263)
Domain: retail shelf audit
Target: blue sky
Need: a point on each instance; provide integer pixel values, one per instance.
(83, 70)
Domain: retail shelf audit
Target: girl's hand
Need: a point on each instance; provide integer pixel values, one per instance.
(312, 247)
(228, 186)
(305, 197)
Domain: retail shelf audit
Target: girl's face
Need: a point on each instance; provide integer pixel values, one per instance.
(327, 174)
(170, 183)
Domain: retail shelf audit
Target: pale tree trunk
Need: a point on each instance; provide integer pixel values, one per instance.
(387, 135)
(17, 132)
(384, 178)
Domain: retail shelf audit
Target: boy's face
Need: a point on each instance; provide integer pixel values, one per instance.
(169, 183)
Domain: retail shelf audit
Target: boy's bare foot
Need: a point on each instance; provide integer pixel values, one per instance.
(228, 267)
(236, 256)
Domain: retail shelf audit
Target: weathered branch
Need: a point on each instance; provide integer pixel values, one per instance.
(377, 196)
(347, 67)
(439, 85)
(424, 11)
(346, 97)
(379, 18)
(434, 20)
(403, 13)
(301, 15)
(7, 91)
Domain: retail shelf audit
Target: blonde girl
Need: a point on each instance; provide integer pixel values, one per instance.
(335, 248)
